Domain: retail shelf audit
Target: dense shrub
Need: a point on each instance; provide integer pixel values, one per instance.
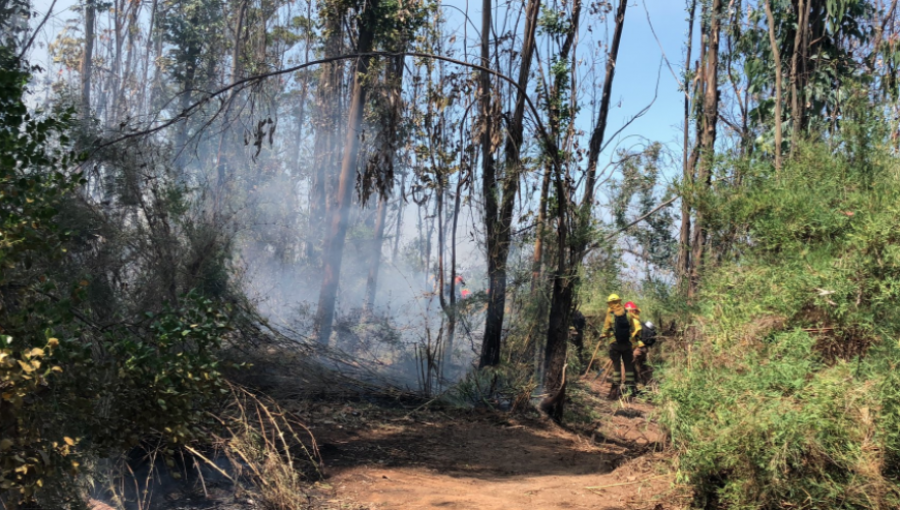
(787, 395)
(78, 379)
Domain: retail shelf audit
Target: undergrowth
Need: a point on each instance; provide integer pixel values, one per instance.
(786, 395)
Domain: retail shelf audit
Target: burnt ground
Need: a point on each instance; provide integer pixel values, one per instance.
(609, 457)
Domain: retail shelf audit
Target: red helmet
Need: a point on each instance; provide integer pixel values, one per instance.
(630, 306)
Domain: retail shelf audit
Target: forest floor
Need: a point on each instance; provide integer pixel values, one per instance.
(608, 456)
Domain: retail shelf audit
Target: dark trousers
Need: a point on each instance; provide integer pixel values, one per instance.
(644, 372)
(621, 353)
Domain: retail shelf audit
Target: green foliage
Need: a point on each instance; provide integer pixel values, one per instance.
(638, 190)
(70, 386)
(788, 393)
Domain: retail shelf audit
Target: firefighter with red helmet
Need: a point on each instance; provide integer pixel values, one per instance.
(622, 329)
(640, 350)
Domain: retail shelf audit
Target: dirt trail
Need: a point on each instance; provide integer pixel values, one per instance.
(487, 460)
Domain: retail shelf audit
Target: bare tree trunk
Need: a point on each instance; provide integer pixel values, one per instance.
(499, 222)
(451, 321)
(537, 259)
(777, 56)
(236, 70)
(154, 38)
(562, 297)
(389, 132)
(375, 257)
(684, 243)
(597, 136)
(192, 56)
(325, 146)
(490, 347)
(400, 201)
(87, 64)
(128, 76)
(341, 211)
(796, 86)
(708, 120)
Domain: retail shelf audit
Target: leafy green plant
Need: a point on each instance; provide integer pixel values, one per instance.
(72, 386)
(786, 395)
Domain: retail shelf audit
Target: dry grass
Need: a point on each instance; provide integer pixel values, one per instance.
(271, 448)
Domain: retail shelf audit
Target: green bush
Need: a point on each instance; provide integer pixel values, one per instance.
(74, 386)
(787, 396)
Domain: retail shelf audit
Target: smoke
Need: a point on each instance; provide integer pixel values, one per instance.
(407, 324)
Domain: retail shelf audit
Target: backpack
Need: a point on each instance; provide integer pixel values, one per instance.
(622, 327)
(648, 334)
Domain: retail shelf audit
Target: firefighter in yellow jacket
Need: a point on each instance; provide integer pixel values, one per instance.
(640, 350)
(621, 328)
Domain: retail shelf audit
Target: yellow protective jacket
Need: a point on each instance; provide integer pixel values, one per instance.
(636, 316)
(618, 309)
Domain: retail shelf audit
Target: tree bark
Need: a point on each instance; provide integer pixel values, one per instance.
(390, 129)
(777, 56)
(87, 58)
(537, 258)
(565, 279)
(796, 85)
(499, 227)
(236, 70)
(490, 347)
(325, 149)
(684, 243)
(340, 214)
(709, 119)
(451, 320)
(375, 257)
(561, 299)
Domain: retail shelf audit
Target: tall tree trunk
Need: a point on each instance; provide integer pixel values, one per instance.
(395, 253)
(451, 318)
(565, 279)
(340, 213)
(390, 135)
(87, 64)
(490, 347)
(375, 256)
(155, 40)
(325, 149)
(777, 56)
(236, 69)
(129, 72)
(562, 296)
(708, 122)
(499, 222)
(537, 258)
(597, 136)
(554, 114)
(796, 81)
(684, 240)
(190, 74)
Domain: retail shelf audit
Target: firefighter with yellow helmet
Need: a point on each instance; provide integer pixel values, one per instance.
(621, 328)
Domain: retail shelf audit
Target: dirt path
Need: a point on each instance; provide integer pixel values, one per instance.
(608, 459)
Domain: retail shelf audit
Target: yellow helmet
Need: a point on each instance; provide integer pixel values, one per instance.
(613, 298)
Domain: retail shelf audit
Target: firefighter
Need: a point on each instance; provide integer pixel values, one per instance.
(621, 329)
(640, 349)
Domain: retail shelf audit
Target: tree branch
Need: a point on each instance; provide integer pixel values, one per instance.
(187, 112)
